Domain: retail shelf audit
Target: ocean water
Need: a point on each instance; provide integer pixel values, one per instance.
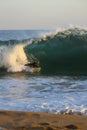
(61, 84)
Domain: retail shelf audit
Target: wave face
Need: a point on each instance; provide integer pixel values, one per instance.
(61, 51)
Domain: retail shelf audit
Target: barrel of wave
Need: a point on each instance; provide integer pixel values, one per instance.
(64, 51)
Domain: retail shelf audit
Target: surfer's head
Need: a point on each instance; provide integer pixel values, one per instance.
(37, 63)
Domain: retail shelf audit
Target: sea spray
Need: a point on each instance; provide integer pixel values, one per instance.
(13, 58)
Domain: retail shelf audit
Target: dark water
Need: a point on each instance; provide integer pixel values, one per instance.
(60, 86)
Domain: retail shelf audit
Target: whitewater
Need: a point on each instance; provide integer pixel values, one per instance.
(60, 85)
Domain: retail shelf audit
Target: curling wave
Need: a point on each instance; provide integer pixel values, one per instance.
(61, 51)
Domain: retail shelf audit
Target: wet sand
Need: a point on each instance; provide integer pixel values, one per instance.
(14, 120)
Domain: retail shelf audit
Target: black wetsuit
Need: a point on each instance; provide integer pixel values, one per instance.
(34, 64)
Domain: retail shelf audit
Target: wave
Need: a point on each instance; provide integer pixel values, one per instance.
(59, 52)
(62, 51)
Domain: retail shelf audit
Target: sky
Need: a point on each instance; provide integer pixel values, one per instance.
(42, 14)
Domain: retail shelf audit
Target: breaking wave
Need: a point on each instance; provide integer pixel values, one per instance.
(60, 52)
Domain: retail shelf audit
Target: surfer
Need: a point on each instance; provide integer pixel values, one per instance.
(35, 64)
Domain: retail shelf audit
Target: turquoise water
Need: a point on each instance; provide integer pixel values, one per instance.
(59, 87)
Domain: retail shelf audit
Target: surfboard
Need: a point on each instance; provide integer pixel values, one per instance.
(32, 69)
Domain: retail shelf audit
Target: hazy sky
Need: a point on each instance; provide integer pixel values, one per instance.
(42, 14)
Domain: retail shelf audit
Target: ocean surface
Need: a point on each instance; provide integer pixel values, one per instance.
(61, 84)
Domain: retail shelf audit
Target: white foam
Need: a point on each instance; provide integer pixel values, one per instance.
(13, 58)
(74, 30)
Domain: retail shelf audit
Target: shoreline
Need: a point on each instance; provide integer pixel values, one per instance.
(19, 120)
